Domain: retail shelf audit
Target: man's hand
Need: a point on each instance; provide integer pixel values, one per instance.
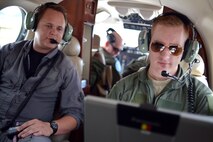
(35, 127)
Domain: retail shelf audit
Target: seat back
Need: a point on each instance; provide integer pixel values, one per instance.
(30, 35)
(95, 43)
(72, 50)
(198, 69)
(104, 84)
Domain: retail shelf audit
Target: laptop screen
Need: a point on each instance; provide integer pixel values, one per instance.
(141, 123)
(114, 121)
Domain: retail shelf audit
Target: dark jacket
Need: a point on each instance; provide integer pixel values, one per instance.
(60, 87)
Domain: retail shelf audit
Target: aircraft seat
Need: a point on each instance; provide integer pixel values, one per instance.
(95, 43)
(72, 50)
(106, 75)
(30, 35)
(198, 69)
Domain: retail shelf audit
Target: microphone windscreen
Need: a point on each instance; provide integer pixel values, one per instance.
(53, 41)
(164, 74)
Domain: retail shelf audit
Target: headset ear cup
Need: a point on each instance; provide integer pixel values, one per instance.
(110, 36)
(30, 21)
(68, 33)
(148, 38)
(144, 40)
(191, 50)
(185, 49)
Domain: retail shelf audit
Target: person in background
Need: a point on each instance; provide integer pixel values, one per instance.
(169, 35)
(135, 65)
(106, 57)
(56, 105)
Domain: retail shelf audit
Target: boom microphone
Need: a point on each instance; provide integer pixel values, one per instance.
(166, 74)
(53, 41)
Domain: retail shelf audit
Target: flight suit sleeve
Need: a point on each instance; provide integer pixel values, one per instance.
(210, 102)
(96, 70)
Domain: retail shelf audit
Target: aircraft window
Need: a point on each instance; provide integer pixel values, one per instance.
(128, 27)
(11, 24)
(130, 37)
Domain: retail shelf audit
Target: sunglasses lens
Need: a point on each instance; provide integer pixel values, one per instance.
(116, 49)
(174, 49)
(157, 47)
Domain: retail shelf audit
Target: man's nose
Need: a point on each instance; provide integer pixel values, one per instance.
(53, 30)
(166, 52)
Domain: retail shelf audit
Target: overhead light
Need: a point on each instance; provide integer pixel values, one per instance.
(122, 10)
(102, 15)
(140, 4)
(149, 15)
(146, 14)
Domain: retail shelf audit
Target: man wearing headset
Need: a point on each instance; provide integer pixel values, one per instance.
(109, 52)
(151, 85)
(56, 105)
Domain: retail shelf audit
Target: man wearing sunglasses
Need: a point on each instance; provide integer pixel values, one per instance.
(152, 85)
(108, 70)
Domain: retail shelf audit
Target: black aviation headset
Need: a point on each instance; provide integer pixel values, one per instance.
(32, 19)
(110, 37)
(191, 46)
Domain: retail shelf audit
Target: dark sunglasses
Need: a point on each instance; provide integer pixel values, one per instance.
(175, 50)
(115, 48)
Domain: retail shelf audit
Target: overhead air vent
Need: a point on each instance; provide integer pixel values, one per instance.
(147, 8)
(44, 1)
(102, 14)
(135, 21)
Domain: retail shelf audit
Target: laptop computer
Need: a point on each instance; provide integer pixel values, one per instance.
(109, 120)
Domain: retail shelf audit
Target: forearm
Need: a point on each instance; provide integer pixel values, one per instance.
(66, 124)
(40, 128)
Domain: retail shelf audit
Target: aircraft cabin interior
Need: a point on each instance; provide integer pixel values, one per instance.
(89, 21)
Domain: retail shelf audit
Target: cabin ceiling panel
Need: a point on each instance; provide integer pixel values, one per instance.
(44, 1)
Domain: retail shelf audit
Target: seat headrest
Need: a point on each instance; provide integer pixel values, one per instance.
(73, 48)
(96, 41)
(30, 35)
(197, 68)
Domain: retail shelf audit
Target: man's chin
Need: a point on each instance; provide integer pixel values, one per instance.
(51, 46)
(48, 48)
